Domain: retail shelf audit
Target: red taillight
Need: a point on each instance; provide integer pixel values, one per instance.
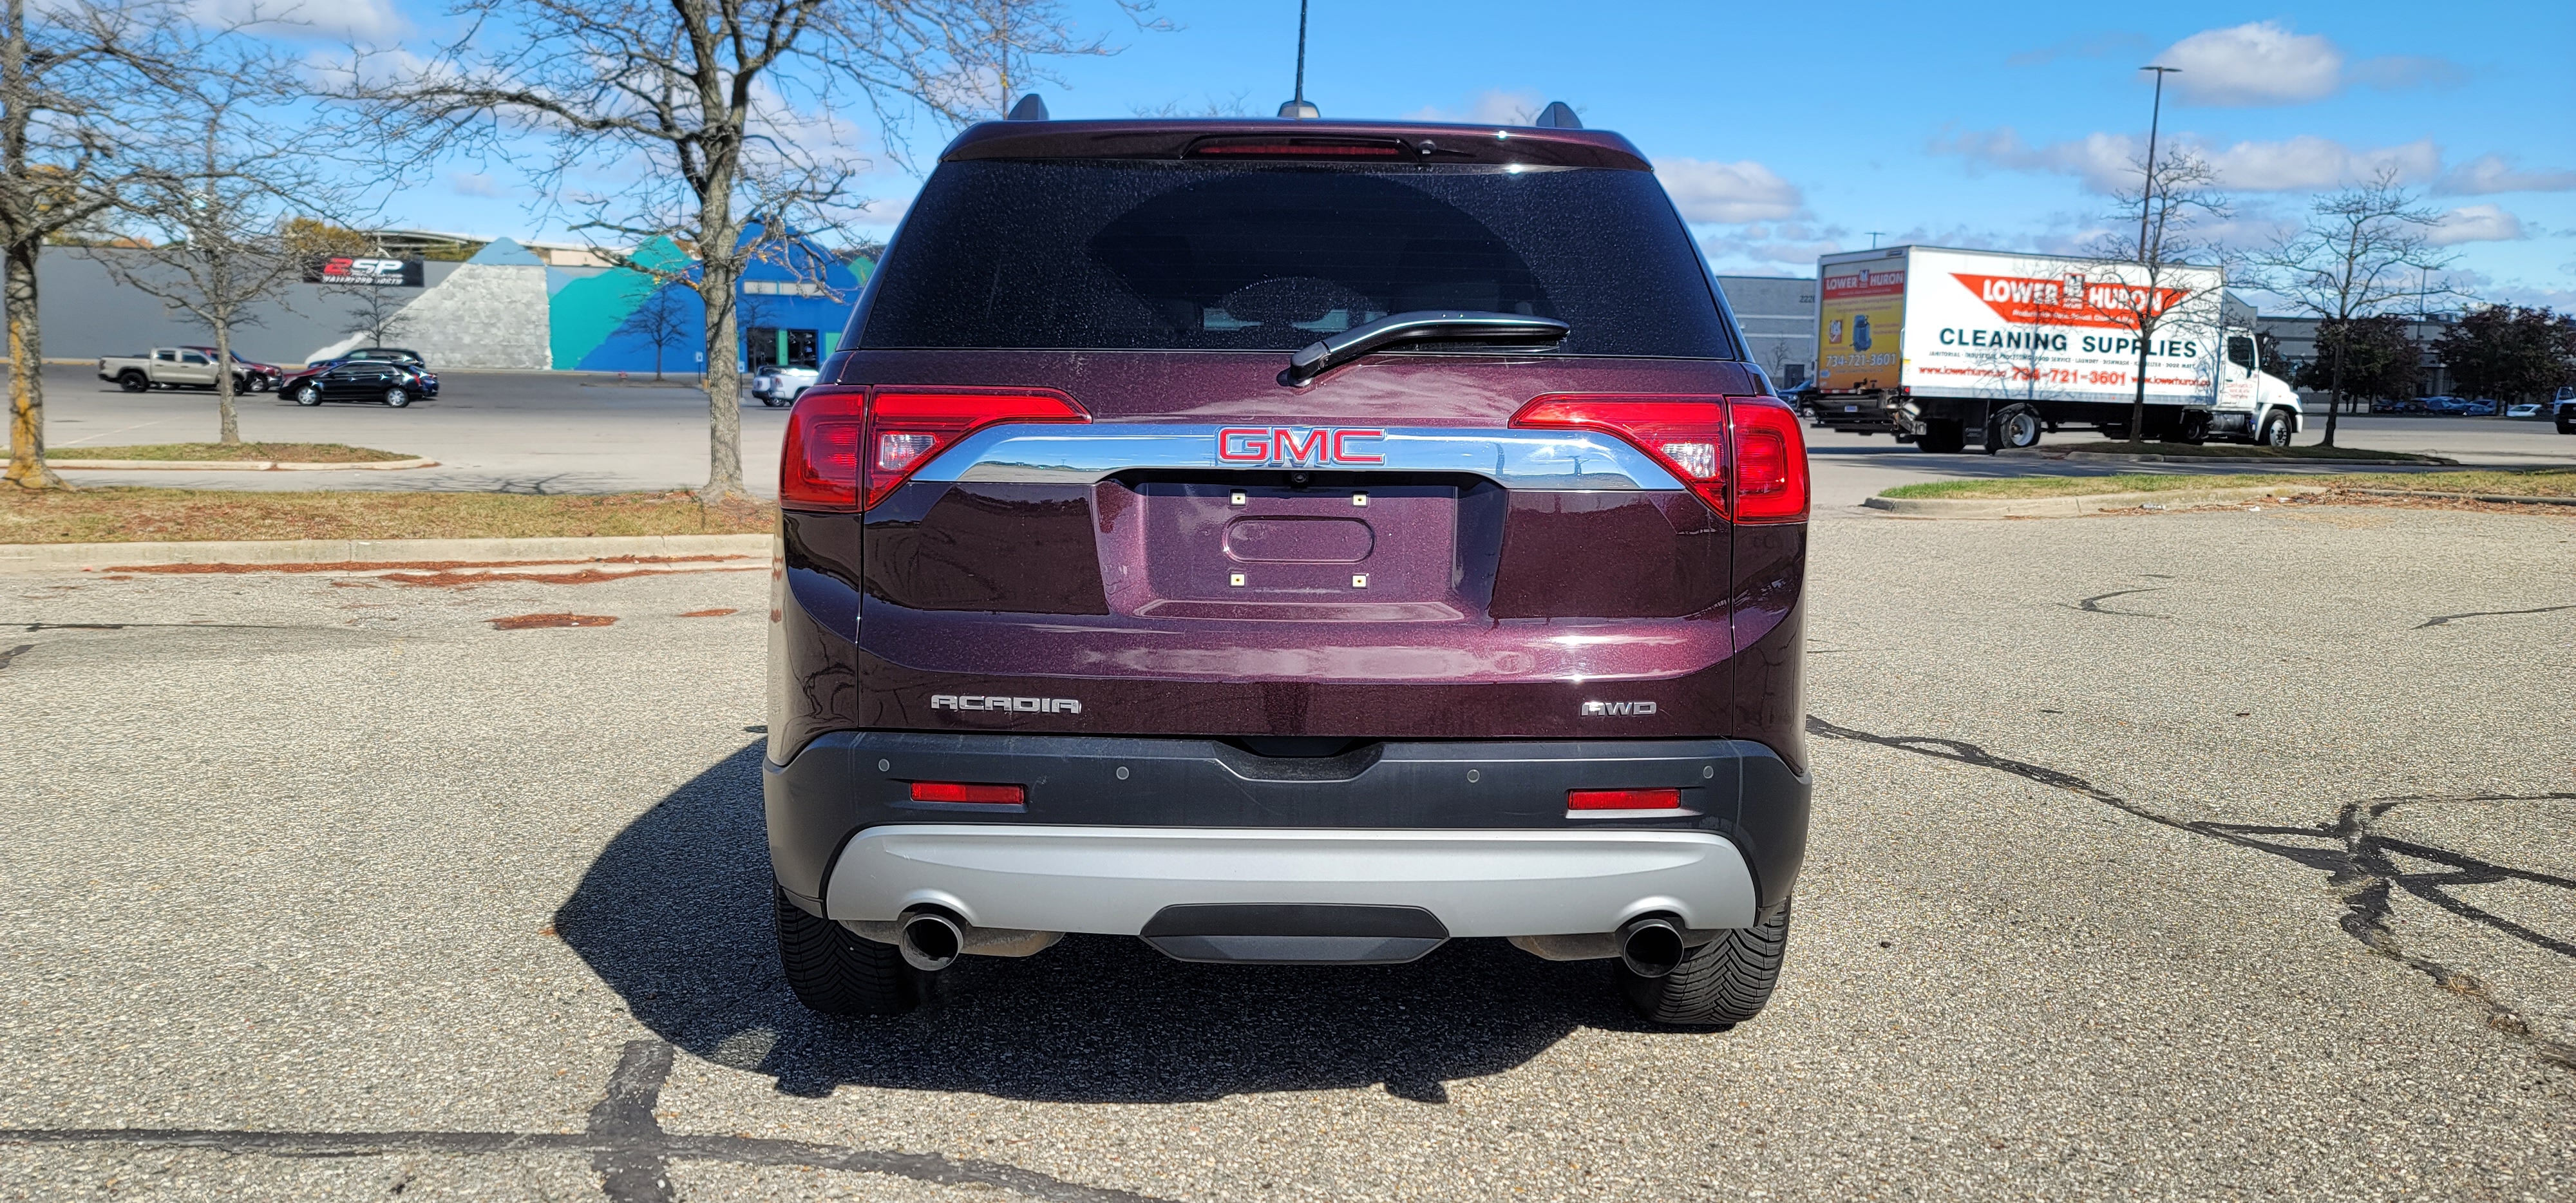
(1770, 460)
(958, 791)
(1623, 799)
(847, 447)
(1696, 439)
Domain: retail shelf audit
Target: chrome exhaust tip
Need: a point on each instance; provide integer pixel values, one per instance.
(930, 941)
(1651, 946)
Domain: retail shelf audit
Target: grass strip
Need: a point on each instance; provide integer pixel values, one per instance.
(287, 453)
(2240, 451)
(2537, 482)
(145, 515)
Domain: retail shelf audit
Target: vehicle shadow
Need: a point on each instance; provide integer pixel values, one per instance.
(675, 916)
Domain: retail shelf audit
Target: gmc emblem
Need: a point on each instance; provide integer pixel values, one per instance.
(1309, 447)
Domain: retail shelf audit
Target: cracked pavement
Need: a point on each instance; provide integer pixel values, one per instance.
(2262, 883)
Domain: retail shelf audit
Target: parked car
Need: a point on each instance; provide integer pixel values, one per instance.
(2480, 408)
(2438, 404)
(2563, 410)
(2398, 405)
(173, 367)
(353, 379)
(389, 355)
(776, 385)
(260, 376)
(2528, 409)
(1273, 591)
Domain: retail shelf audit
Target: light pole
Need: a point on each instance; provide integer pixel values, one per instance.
(2152, 258)
(2155, 118)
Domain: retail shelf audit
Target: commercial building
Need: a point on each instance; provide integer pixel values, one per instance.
(2295, 347)
(1779, 318)
(506, 306)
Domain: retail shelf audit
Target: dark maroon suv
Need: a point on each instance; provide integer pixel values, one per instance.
(1290, 542)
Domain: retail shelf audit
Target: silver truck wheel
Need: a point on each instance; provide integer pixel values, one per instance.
(2013, 426)
(2276, 429)
(133, 382)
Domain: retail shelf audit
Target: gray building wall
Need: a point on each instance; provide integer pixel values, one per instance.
(87, 314)
(1779, 318)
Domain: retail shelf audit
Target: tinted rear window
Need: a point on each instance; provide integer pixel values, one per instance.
(1114, 255)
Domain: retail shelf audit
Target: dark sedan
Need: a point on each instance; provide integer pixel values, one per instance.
(395, 384)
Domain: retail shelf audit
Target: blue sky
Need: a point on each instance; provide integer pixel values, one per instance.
(1786, 131)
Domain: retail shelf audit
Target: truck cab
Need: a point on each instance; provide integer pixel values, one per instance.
(2253, 406)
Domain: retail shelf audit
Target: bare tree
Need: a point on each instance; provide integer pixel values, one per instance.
(217, 176)
(719, 112)
(2362, 250)
(65, 79)
(662, 320)
(2153, 275)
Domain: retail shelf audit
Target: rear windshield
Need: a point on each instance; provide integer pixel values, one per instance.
(1111, 255)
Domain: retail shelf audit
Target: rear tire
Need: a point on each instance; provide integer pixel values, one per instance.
(834, 971)
(1722, 983)
(1945, 436)
(133, 382)
(397, 398)
(2013, 427)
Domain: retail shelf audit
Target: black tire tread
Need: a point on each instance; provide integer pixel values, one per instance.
(1724, 982)
(835, 971)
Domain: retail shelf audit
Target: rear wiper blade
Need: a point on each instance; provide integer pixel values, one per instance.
(1420, 325)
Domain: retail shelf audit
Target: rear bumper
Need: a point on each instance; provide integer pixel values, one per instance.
(1114, 830)
(1115, 880)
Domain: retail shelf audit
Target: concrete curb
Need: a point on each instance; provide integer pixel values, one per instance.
(2152, 458)
(45, 557)
(2503, 498)
(2077, 506)
(235, 465)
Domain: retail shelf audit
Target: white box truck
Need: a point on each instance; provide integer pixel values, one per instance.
(1944, 347)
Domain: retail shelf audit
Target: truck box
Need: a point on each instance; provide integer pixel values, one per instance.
(1940, 346)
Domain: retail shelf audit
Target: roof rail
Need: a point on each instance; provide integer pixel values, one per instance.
(1030, 108)
(1558, 115)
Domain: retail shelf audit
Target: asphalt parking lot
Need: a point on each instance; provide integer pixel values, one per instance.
(567, 433)
(2196, 855)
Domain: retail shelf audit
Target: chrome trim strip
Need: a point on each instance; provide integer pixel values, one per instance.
(1519, 459)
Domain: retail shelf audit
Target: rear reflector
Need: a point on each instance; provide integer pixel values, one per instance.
(847, 448)
(1623, 799)
(955, 791)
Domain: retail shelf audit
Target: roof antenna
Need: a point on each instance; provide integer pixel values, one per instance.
(1558, 115)
(1298, 109)
(1030, 108)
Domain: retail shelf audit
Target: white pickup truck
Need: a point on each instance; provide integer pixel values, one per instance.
(181, 367)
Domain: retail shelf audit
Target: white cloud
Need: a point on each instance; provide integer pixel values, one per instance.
(339, 18)
(470, 183)
(2489, 174)
(2477, 223)
(2307, 162)
(2109, 162)
(1493, 106)
(1728, 193)
(2260, 62)
(2266, 63)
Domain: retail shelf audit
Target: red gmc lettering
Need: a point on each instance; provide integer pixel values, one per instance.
(1232, 446)
(1285, 445)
